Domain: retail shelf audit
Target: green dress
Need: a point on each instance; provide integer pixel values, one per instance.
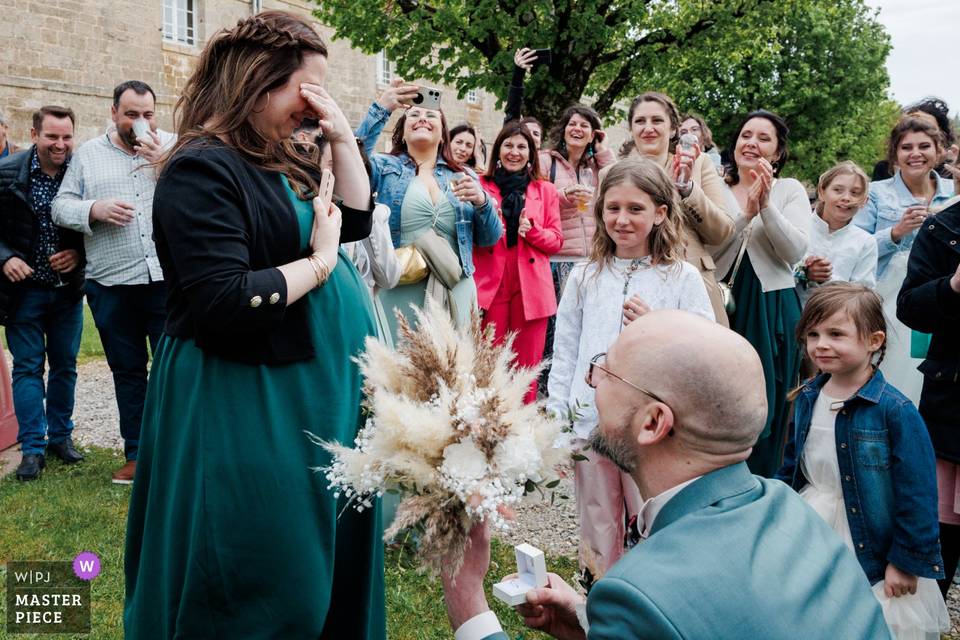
(231, 534)
(768, 320)
(417, 214)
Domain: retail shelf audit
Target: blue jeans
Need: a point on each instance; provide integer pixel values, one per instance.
(127, 316)
(45, 326)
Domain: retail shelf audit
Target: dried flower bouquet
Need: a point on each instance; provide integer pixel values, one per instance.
(447, 428)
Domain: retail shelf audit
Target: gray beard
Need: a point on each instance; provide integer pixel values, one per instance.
(616, 452)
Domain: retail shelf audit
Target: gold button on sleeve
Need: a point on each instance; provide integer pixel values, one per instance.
(255, 301)
(274, 298)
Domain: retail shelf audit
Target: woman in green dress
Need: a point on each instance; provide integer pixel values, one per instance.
(773, 230)
(231, 532)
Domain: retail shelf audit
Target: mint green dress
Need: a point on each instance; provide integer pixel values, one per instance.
(417, 214)
(231, 534)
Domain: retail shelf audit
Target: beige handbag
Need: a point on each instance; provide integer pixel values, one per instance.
(726, 286)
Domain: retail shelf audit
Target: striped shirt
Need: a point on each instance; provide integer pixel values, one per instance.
(100, 170)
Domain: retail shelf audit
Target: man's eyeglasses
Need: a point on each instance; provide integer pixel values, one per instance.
(596, 363)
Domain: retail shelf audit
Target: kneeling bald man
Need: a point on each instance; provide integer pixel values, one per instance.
(727, 554)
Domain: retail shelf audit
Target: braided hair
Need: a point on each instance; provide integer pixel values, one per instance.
(235, 70)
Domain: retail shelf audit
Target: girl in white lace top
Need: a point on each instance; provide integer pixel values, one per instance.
(636, 266)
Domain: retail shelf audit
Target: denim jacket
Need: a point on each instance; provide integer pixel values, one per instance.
(886, 203)
(481, 225)
(371, 127)
(888, 474)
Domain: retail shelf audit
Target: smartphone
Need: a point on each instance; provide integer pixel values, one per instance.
(427, 97)
(326, 186)
(544, 57)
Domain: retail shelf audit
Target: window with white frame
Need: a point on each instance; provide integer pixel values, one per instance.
(386, 69)
(473, 96)
(179, 21)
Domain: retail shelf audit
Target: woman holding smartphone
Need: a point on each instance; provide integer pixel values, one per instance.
(654, 123)
(896, 208)
(231, 533)
(438, 213)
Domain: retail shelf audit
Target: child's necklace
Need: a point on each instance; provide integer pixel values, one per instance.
(632, 269)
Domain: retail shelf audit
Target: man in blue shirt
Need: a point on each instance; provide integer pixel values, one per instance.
(40, 292)
(726, 554)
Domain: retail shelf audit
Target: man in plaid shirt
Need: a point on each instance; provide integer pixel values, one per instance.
(107, 194)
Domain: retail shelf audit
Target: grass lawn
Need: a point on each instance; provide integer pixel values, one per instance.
(75, 508)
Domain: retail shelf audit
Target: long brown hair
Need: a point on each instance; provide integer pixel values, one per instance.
(916, 122)
(515, 128)
(398, 146)
(666, 238)
(236, 68)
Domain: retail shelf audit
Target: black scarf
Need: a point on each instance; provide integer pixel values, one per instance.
(513, 192)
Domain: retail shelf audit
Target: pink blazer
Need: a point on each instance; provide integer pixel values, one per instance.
(533, 252)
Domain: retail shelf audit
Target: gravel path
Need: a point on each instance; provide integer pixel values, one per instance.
(554, 529)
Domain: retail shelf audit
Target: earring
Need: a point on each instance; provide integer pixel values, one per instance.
(264, 106)
(499, 165)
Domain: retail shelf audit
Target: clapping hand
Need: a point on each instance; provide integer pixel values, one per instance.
(525, 224)
(633, 308)
(524, 58)
(910, 221)
(955, 280)
(398, 95)
(334, 124)
(466, 189)
(758, 196)
(819, 269)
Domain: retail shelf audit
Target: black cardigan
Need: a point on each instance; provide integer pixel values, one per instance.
(927, 303)
(222, 226)
(19, 230)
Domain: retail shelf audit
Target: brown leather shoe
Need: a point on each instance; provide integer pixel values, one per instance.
(124, 475)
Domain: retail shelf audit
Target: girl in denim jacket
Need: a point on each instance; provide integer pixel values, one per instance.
(859, 454)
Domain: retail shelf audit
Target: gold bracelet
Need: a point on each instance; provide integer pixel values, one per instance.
(320, 268)
(316, 269)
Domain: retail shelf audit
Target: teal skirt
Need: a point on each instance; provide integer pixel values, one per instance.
(768, 321)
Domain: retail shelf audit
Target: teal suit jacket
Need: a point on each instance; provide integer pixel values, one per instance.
(735, 556)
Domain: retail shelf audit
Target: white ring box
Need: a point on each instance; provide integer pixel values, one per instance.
(531, 573)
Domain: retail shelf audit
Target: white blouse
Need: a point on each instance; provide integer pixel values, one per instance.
(851, 251)
(590, 317)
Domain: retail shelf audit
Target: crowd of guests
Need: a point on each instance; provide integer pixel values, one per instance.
(255, 250)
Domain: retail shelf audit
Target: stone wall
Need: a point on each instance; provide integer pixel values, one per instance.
(73, 52)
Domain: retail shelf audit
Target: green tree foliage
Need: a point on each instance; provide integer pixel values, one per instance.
(819, 63)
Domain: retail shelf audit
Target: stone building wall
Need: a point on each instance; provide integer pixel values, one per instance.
(73, 52)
